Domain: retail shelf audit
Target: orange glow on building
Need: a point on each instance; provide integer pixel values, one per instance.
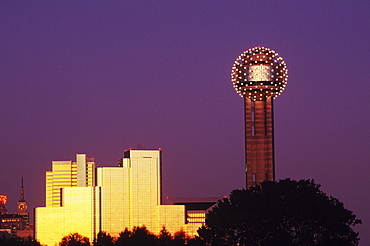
(3, 199)
(124, 196)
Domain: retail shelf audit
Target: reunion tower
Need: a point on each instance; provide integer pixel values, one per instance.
(259, 75)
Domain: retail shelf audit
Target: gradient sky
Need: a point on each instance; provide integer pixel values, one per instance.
(98, 77)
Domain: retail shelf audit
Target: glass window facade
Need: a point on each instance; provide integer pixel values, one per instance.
(78, 214)
(66, 174)
(124, 196)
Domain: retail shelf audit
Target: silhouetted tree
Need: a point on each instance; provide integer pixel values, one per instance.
(74, 239)
(31, 242)
(104, 239)
(137, 237)
(179, 238)
(196, 241)
(124, 238)
(164, 237)
(141, 236)
(7, 240)
(287, 213)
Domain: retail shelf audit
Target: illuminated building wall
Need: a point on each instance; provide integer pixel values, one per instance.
(14, 222)
(78, 214)
(143, 181)
(196, 210)
(125, 196)
(68, 174)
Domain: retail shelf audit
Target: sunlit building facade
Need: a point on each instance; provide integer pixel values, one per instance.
(79, 173)
(195, 209)
(124, 196)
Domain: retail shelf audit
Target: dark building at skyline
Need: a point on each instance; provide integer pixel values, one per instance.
(17, 224)
(259, 75)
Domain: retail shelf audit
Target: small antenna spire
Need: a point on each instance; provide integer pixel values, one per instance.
(22, 192)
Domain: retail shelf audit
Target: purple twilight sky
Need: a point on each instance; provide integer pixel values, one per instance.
(98, 77)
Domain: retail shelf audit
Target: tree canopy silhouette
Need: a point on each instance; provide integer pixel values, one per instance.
(286, 212)
(75, 239)
(104, 239)
(7, 240)
(138, 236)
(164, 237)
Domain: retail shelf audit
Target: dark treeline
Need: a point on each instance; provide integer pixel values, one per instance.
(285, 212)
(6, 240)
(138, 236)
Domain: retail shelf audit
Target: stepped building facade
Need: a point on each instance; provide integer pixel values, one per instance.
(79, 173)
(80, 199)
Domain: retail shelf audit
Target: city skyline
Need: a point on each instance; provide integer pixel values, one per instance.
(122, 196)
(100, 78)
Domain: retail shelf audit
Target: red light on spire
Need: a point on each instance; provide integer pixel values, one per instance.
(259, 47)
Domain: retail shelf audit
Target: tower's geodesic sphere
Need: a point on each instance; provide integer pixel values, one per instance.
(259, 73)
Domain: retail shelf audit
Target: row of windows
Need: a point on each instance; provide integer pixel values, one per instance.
(197, 215)
(196, 220)
(11, 220)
